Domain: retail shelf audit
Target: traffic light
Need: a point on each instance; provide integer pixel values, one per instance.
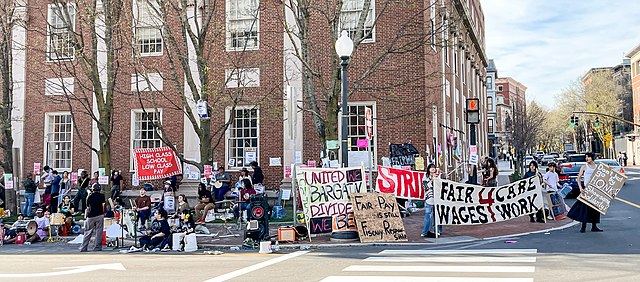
(573, 120)
(597, 122)
(576, 120)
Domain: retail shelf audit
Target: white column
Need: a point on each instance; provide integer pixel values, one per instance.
(19, 41)
(292, 128)
(102, 72)
(190, 138)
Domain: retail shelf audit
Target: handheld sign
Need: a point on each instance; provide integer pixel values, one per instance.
(377, 217)
(603, 186)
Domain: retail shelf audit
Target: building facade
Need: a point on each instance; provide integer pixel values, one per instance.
(256, 95)
(492, 74)
(510, 104)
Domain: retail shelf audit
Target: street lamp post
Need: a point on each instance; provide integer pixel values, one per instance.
(344, 47)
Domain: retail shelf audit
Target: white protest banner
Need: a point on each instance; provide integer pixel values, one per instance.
(466, 204)
(326, 192)
(405, 184)
(603, 186)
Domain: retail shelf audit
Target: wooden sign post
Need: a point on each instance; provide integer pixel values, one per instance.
(377, 217)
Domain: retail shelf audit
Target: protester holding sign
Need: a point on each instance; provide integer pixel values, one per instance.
(580, 211)
(491, 173)
(533, 171)
(427, 183)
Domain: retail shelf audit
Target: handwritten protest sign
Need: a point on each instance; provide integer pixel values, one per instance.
(405, 184)
(156, 163)
(378, 217)
(557, 207)
(326, 193)
(403, 154)
(465, 204)
(603, 186)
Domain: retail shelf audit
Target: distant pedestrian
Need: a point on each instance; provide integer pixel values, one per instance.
(55, 191)
(427, 185)
(116, 184)
(533, 171)
(624, 158)
(94, 220)
(65, 186)
(581, 211)
(80, 200)
(30, 188)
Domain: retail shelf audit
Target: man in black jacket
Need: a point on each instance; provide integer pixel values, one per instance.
(94, 219)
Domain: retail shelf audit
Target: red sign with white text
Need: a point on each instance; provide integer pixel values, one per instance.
(405, 184)
(156, 163)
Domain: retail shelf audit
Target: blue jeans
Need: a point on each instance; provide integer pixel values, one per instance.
(28, 203)
(429, 220)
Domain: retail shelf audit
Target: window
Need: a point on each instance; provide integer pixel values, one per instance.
(243, 135)
(351, 10)
(433, 34)
(148, 28)
(143, 133)
(58, 140)
(489, 82)
(447, 87)
(357, 126)
(58, 86)
(243, 24)
(445, 37)
(456, 93)
(499, 88)
(463, 65)
(490, 126)
(61, 23)
(242, 77)
(490, 104)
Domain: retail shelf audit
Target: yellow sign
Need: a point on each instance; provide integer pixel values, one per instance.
(607, 138)
(419, 163)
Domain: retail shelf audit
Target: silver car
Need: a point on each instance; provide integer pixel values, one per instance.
(611, 163)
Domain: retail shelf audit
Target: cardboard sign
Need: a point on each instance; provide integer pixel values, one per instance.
(326, 192)
(343, 222)
(378, 218)
(156, 163)
(466, 204)
(36, 168)
(103, 180)
(557, 206)
(405, 184)
(419, 163)
(603, 186)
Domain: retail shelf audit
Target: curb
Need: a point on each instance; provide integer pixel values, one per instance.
(434, 243)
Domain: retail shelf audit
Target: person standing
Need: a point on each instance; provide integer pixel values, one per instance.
(580, 211)
(491, 173)
(551, 179)
(257, 177)
(427, 185)
(29, 193)
(116, 184)
(65, 186)
(55, 191)
(533, 171)
(94, 220)
(81, 195)
(46, 178)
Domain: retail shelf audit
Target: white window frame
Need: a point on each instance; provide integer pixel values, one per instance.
(239, 78)
(456, 93)
(445, 37)
(254, 27)
(51, 53)
(432, 17)
(490, 82)
(500, 88)
(373, 143)
(372, 9)
(229, 137)
(447, 87)
(142, 82)
(154, 24)
(46, 146)
(132, 132)
(59, 86)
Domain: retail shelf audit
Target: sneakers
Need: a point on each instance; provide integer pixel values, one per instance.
(134, 249)
(155, 250)
(166, 249)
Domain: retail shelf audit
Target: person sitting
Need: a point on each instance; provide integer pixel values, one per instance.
(206, 202)
(43, 227)
(143, 207)
(10, 232)
(67, 208)
(180, 207)
(156, 235)
(245, 194)
(188, 226)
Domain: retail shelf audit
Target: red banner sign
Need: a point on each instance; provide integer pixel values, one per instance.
(156, 163)
(405, 184)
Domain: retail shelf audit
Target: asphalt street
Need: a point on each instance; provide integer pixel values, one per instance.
(562, 255)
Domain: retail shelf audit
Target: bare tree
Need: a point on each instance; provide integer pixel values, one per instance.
(528, 123)
(7, 22)
(321, 77)
(602, 97)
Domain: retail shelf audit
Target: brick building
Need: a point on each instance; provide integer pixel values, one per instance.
(417, 94)
(510, 96)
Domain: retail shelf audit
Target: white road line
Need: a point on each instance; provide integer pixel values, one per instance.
(458, 252)
(452, 259)
(420, 279)
(440, 268)
(255, 267)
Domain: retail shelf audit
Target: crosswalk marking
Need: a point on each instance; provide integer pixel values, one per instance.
(440, 268)
(459, 252)
(420, 279)
(452, 259)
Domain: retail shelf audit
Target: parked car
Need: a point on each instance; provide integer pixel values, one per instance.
(547, 159)
(527, 160)
(614, 164)
(569, 174)
(554, 154)
(576, 158)
(561, 160)
(539, 154)
(569, 152)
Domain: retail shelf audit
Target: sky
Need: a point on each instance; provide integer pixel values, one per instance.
(548, 44)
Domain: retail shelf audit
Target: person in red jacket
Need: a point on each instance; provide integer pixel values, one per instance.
(243, 200)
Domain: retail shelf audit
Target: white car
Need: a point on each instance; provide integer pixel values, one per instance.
(612, 163)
